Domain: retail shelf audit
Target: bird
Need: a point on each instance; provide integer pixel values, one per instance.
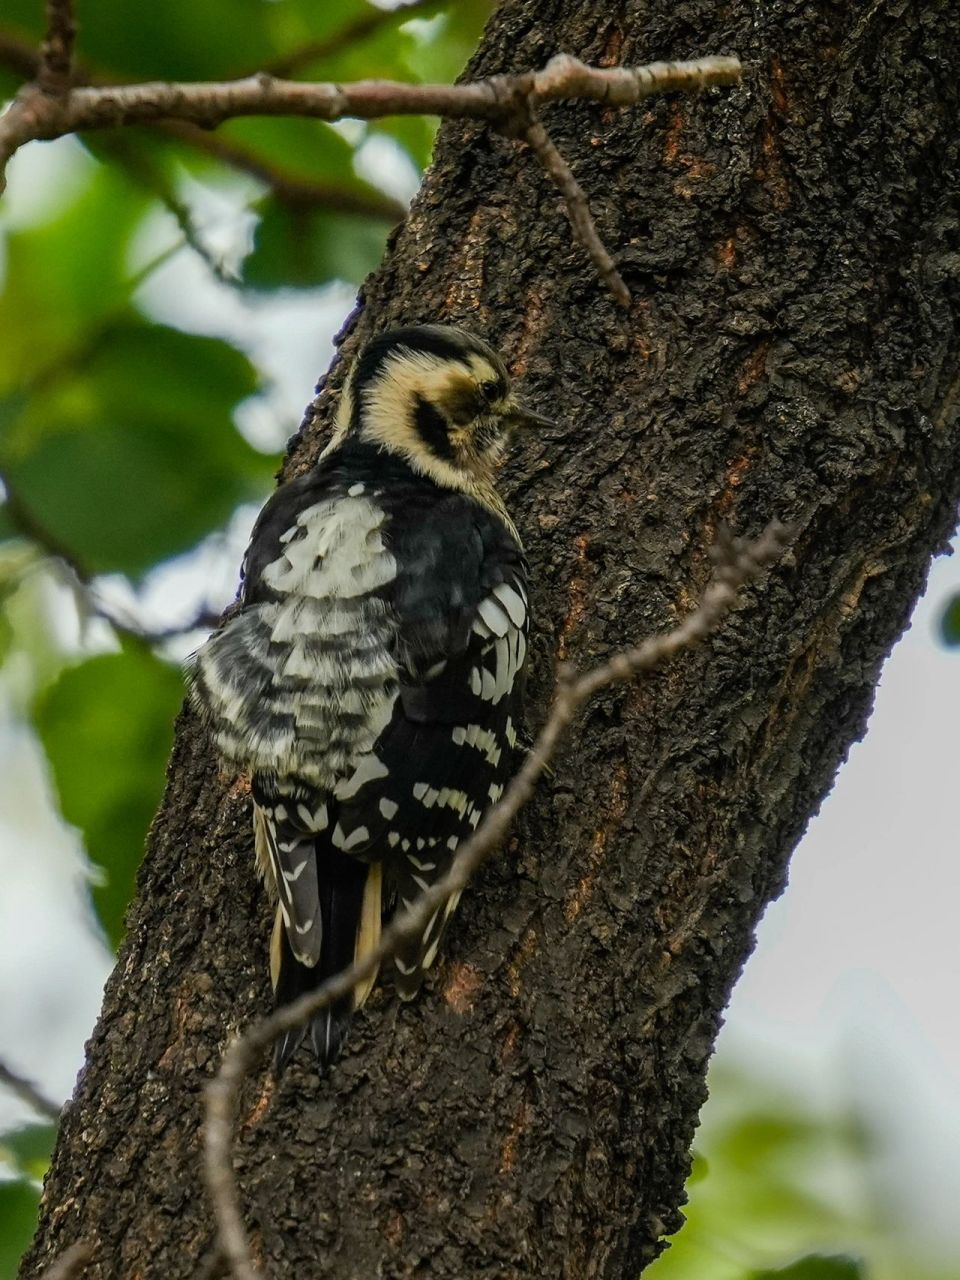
(370, 683)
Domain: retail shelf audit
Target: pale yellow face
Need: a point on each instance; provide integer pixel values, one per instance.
(451, 419)
(440, 398)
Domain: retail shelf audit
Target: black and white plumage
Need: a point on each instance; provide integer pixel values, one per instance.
(370, 682)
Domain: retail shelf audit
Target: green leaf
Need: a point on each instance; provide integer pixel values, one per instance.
(29, 1149)
(176, 40)
(24, 20)
(64, 280)
(9, 582)
(453, 39)
(107, 727)
(132, 456)
(950, 622)
(817, 1267)
(764, 1135)
(297, 23)
(27, 624)
(10, 82)
(308, 148)
(307, 248)
(18, 1221)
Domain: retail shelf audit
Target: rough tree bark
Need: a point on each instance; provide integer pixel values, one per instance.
(792, 350)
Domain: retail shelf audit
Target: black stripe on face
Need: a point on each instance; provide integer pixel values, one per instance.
(433, 429)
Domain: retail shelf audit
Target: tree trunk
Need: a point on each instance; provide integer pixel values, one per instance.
(793, 247)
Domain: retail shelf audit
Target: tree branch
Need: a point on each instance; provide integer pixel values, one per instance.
(56, 52)
(584, 228)
(506, 101)
(28, 1092)
(291, 189)
(18, 56)
(27, 524)
(210, 104)
(737, 563)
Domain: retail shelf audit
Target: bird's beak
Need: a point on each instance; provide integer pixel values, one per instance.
(522, 417)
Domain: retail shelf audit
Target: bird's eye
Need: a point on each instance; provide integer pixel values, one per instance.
(490, 391)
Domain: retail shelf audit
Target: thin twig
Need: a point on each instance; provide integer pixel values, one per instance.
(567, 77)
(28, 1092)
(211, 103)
(56, 52)
(34, 530)
(19, 57)
(140, 166)
(581, 219)
(181, 213)
(738, 562)
(507, 101)
(83, 581)
(290, 189)
(202, 620)
(70, 1263)
(360, 29)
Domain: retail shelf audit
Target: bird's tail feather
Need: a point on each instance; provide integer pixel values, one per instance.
(413, 959)
(350, 906)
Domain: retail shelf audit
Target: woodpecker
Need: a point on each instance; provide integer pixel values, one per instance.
(370, 682)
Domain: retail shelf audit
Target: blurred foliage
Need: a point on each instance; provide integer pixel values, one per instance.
(28, 1149)
(291, 246)
(119, 444)
(817, 1267)
(107, 726)
(780, 1190)
(950, 622)
(18, 1220)
(132, 456)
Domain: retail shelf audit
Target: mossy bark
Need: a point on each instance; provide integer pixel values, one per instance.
(793, 246)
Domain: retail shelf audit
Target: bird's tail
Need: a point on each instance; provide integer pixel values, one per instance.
(350, 893)
(413, 959)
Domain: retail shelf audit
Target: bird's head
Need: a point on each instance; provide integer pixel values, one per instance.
(439, 397)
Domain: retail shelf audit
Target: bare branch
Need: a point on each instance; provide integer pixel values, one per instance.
(56, 53)
(581, 219)
(141, 167)
(737, 563)
(567, 77)
(28, 1092)
(291, 189)
(202, 620)
(210, 104)
(18, 56)
(360, 29)
(70, 1263)
(507, 101)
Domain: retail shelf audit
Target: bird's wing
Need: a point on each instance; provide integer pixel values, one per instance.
(233, 677)
(288, 689)
(461, 602)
